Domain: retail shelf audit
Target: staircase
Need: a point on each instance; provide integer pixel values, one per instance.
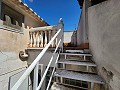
(76, 71)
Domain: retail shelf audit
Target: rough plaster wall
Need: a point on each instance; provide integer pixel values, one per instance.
(11, 44)
(104, 40)
(82, 30)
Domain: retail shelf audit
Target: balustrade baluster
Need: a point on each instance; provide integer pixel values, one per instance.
(34, 39)
(49, 38)
(41, 39)
(38, 39)
(31, 39)
(45, 38)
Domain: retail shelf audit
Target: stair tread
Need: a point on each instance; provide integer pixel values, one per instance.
(74, 62)
(80, 54)
(75, 51)
(74, 59)
(57, 86)
(79, 76)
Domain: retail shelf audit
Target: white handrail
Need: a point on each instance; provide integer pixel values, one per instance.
(40, 84)
(32, 66)
(52, 73)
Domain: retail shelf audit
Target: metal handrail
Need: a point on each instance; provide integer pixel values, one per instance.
(34, 65)
(40, 84)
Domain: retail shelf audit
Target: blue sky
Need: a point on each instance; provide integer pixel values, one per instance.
(52, 10)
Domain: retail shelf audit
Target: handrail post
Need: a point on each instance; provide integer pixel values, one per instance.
(42, 72)
(35, 83)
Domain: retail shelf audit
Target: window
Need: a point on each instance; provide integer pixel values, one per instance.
(13, 15)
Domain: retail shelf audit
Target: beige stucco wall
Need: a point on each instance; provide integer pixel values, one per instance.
(104, 40)
(11, 44)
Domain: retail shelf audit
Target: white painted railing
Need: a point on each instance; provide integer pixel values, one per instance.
(40, 36)
(35, 64)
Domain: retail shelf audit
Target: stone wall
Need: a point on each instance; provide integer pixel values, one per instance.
(104, 40)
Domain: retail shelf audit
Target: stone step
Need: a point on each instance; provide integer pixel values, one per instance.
(76, 54)
(74, 51)
(82, 76)
(59, 86)
(76, 62)
(84, 55)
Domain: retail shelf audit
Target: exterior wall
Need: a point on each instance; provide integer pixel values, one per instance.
(81, 27)
(11, 44)
(104, 40)
(82, 30)
(67, 36)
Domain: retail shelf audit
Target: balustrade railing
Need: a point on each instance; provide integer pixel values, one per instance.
(58, 38)
(40, 36)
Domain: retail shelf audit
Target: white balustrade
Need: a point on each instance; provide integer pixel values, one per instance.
(40, 38)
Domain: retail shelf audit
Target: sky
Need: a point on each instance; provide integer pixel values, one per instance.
(52, 10)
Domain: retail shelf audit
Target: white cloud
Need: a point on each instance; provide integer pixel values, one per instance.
(31, 0)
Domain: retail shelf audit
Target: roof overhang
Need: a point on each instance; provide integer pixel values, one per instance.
(25, 7)
(80, 3)
(93, 2)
